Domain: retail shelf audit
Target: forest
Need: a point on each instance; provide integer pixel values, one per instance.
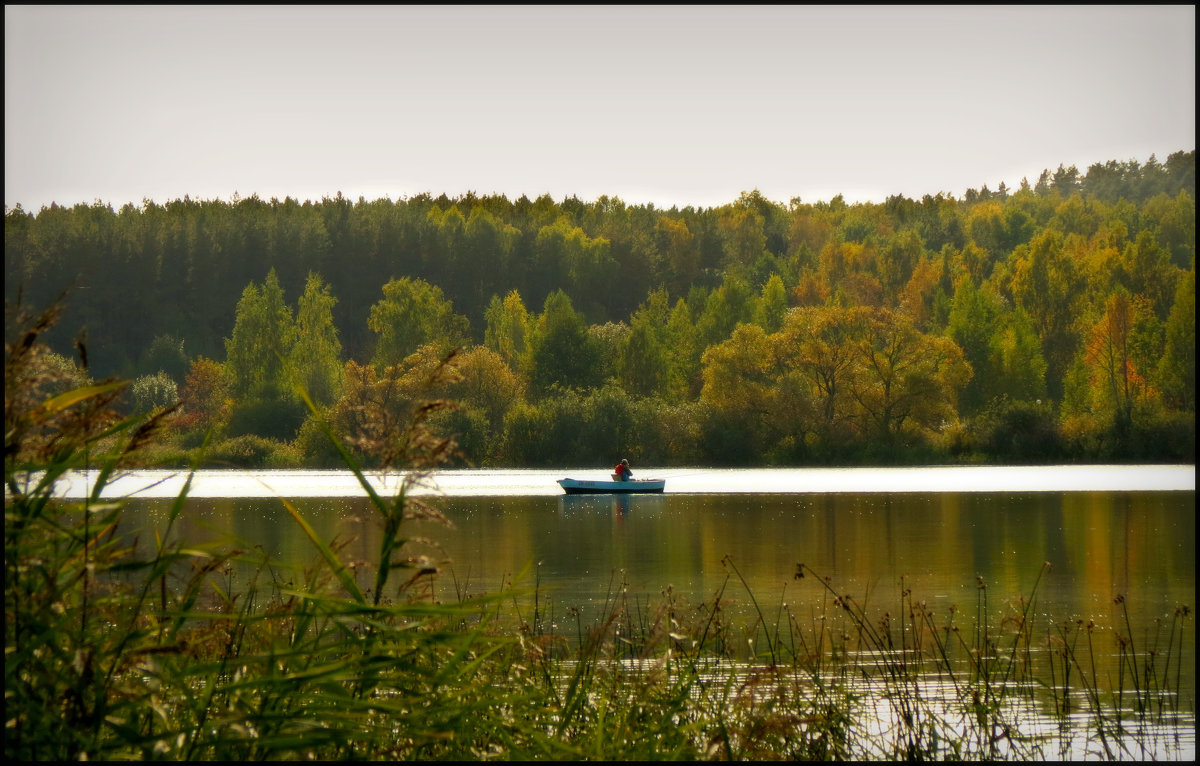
(1054, 322)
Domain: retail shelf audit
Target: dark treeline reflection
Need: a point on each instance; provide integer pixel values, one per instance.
(581, 549)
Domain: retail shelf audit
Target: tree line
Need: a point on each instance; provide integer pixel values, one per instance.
(1054, 321)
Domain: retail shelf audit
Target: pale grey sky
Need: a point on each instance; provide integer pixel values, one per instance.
(674, 105)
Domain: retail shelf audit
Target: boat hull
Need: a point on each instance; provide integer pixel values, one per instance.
(589, 487)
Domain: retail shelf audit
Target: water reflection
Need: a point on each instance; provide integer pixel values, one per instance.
(581, 549)
(618, 505)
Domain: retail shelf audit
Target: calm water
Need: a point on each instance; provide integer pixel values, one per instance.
(579, 549)
(529, 483)
(1106, 531)
(1099, 544)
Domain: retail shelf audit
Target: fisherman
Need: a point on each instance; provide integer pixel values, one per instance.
(623, 471)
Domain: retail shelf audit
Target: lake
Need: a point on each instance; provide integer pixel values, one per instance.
(491, 483)
(1099, 544)
(1106, 532)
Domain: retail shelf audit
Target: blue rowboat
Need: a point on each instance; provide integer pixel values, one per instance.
(590, 487)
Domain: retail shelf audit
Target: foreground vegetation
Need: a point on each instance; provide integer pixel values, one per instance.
(113, 652)
(1053, 322)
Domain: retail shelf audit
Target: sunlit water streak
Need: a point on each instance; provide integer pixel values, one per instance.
(533, 483)
(1035, 731)
(1038, 734)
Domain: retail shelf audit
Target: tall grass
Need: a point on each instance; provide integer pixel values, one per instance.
(111, 654)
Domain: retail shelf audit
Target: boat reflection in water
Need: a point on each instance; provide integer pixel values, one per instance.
(618, 505)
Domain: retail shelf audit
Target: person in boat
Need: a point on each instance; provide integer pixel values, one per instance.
(623, 471)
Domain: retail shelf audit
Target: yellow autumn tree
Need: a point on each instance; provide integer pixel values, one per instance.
(905, 381)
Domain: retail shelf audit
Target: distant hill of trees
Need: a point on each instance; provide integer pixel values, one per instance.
(1054, 321)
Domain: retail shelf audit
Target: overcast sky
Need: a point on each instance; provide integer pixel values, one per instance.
(674, 105)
